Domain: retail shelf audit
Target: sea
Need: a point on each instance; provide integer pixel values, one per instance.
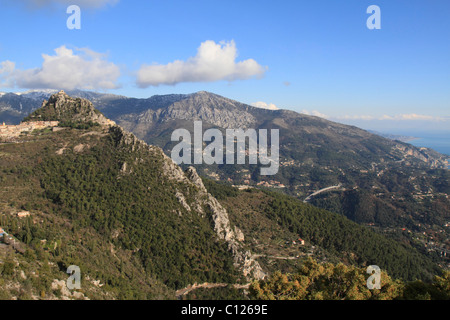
(438, 142)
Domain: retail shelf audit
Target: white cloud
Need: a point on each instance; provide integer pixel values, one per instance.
(213, 62)
(399, 117)
(315, 113)
(87, 70)
(81, 3)
(264, 105)
(354, 117)
(6, 68)
(413, 116)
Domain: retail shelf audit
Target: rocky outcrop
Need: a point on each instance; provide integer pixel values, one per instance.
(204, 201)
(182, 201)
(192, 175)
(63, 108)
(233, 236)
(66, 294)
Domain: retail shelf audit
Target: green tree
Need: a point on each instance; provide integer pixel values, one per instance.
(316, 281)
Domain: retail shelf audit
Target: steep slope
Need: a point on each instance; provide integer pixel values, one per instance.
(13, 108)
(390, 185)
(273, 223)
(138, 226)
(112, 192)
(370, 179)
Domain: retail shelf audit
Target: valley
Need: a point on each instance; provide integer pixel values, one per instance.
(101, 198)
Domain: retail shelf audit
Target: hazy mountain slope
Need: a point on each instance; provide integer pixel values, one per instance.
(13, 108)
(16, 106)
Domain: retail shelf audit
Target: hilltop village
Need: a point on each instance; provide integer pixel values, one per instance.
(13, 131)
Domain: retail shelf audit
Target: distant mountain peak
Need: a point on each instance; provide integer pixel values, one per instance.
(203, 92)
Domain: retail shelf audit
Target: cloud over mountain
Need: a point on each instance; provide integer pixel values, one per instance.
(85, 69)
(213, 62)
(314, 113)
(264, 105)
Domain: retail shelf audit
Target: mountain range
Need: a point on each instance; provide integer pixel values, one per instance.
(183, 227)
(395, 178)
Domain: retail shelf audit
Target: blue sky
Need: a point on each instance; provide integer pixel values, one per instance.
(316, 57)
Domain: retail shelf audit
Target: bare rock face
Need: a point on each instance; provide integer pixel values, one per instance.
(192, 175)
(66, 294)
(182, 200)
(239, 234)
(61, 107)
(233, 236)
(221, 222)
(210, 108)
(200, 106)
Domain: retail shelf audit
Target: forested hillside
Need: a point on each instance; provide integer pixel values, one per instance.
(90, 194)
(265, 216)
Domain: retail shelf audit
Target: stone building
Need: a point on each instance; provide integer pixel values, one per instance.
(10, 131)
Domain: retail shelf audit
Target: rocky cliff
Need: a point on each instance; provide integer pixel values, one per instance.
(233, 236)
(63, 108)
(205, 204)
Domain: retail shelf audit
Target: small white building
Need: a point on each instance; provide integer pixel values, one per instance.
(23, 214)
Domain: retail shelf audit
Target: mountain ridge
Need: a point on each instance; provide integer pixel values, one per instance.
(103, 199)
(315, 154)
(67, 110)
(112, 106)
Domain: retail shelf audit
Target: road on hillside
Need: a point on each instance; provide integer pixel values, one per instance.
(320, 191)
